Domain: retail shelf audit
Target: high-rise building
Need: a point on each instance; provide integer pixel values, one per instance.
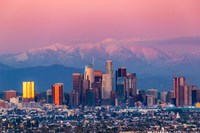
(28, 91)
(179, 83)
(74, 99)
(86, 86)
(109, 70)
(9, 94)
(131, 84)
(89, 73)
(49, 96)
(90, 97)
(150, 100)
(78, 84)
(195, 96)
(154, 93)
(170, 97)
(164, 97)
(121, 84)
(57, 93)
(96, 86)
(106, 86)
(98, 76)
(187, 95)
(121, 72)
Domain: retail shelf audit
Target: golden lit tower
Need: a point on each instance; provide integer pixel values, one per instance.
(28, 90)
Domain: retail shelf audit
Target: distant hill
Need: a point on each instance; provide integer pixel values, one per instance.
(4, 67)
(43, 77)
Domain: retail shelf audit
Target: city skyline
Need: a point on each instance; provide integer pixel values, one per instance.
(99, 66)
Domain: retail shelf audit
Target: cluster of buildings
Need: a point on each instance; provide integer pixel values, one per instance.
(99, 119)
(185, 95)
(95, 88)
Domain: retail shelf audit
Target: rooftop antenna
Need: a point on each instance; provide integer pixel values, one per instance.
(93, 60)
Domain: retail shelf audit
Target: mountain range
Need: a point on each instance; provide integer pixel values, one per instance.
(154, 66)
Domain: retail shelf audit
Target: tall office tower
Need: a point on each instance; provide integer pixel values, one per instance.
(109, 70)
(121, 84)
(98, 76)
(49, 96)
(9, 94)
(74, 99)
(164, 97)
(187, 95)
(28, 91)
(57, 93)
(122, 72)
(97, 90)
(90, 97)
(106, 86)
(131, 84)
(78, 84)
(86, 86)
(195, 96)
(179, 83)
(89, 74)
(170, 97)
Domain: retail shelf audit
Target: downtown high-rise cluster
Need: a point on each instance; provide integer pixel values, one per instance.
(95, 88)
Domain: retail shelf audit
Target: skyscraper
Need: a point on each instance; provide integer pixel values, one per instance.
(57, 93)
(109, 70)
(49, 96)
(131, 84)
(78, 84)
(74, 99)
(154, 93)
(98, 76)
(90, 97)
(106, 86)
(28, 91)
(121, 84)
(163, 96)
(179, 83)
(89, 74)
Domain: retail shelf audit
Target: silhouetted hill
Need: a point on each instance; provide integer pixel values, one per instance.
(43, 77)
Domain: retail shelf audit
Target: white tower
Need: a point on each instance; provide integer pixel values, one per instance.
(89, 73)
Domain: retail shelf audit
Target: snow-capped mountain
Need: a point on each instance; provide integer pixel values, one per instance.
(135, 57)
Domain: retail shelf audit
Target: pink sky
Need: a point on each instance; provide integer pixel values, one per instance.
(28, 24)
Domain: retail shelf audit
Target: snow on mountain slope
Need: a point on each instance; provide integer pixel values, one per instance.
(131, 55)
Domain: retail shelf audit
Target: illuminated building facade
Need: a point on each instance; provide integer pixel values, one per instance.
(89, 73)
(57, 93)
(28, 91)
